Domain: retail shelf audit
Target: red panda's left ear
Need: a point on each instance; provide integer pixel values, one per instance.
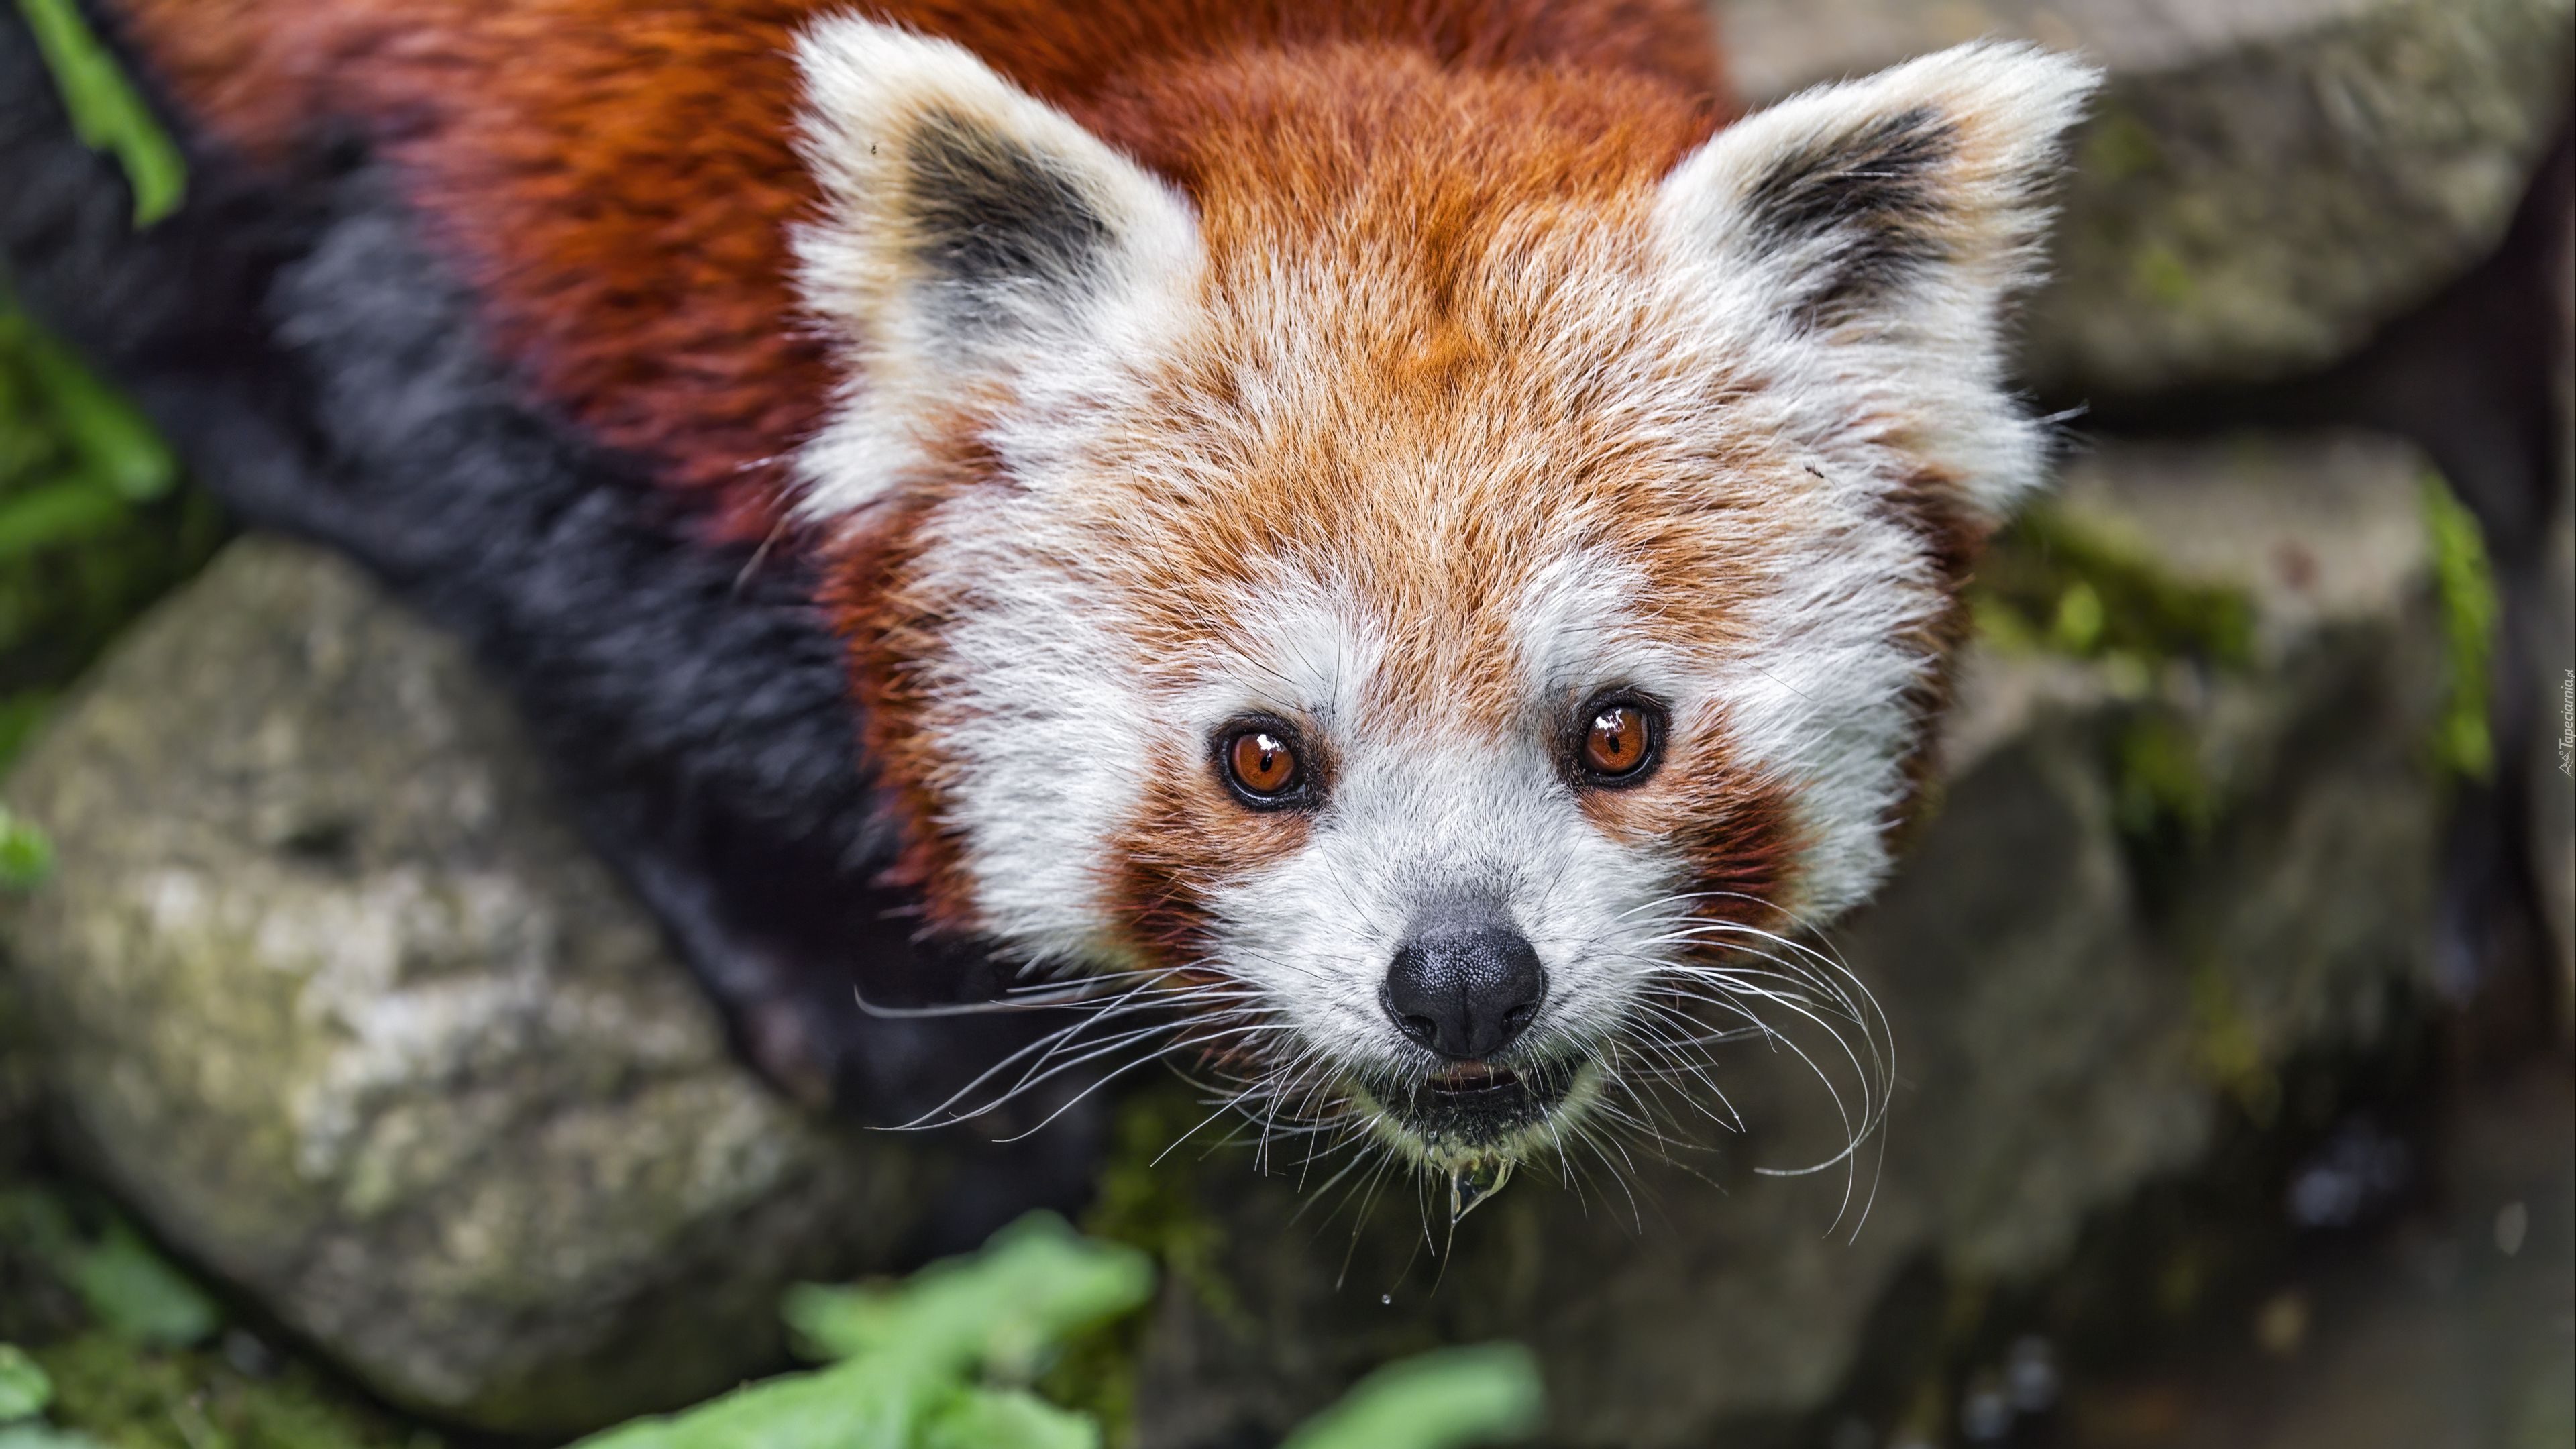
(1888, 219)
(969, 230)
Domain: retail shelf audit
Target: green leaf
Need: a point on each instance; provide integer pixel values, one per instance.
(136, 1294)
(847, 1406)
(1036, 1282)
(37, 1436)
(907, 1351)
(1009, 1419)
(58, 513)
(105, 109)
(24, 1388)
(26, 856)
(1488, 1394)
(115, 443)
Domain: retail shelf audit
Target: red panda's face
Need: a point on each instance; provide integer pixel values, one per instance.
(1432, 625)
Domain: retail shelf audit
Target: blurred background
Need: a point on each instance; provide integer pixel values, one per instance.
(345, 1100)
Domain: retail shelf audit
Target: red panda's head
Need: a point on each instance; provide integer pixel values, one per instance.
(1457, 570)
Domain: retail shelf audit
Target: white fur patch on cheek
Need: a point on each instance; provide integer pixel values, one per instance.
(1819, 702)
(1316, 936)
(1043, 714)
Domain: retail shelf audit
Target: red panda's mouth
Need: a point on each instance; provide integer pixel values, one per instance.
(1468, 1110)
(1469, 1078)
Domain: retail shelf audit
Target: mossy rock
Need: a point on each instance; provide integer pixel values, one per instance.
(332, 994)
(2264, 183)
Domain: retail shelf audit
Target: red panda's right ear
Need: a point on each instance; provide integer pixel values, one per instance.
(970, 231)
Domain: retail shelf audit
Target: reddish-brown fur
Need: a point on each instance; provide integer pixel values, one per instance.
(614, 180)
(1181, 848)
(1956, 533)
(894, 703)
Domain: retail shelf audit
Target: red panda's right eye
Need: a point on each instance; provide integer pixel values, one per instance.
(1621, 738)
(1258, 760)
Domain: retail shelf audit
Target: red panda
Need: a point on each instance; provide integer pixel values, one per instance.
(1409, 529)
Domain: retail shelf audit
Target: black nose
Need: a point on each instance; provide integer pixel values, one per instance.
(1464, 986)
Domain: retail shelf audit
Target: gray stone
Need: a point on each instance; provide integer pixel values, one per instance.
(2265, 181)
(2153, 884)
(336, 1000)
(2552, 769)
(18, 1084)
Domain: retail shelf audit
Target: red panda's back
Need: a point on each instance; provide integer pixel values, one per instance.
(615, 180)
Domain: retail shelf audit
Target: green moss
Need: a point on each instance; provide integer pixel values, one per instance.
(2161, 793)
(2229, 1048)
(2158, 274)
(1095, 1375)
(1150, 1204)
(26, 856)
(128, 1398)
(133, 1349)
(1145, 1195)
(2465, 584)
(2055, 583)
(2058, 585)
(2119, 146)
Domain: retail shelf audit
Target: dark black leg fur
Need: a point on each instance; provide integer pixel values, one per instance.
(316, 369)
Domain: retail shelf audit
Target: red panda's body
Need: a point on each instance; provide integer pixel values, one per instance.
(1407, 533)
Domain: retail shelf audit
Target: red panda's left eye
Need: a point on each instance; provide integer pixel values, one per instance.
(1261, 763)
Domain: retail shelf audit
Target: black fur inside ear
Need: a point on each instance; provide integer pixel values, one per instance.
(1866, 203)
(991, 219)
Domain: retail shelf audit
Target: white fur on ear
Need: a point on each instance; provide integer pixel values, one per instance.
(971, 235)
(1886, 220)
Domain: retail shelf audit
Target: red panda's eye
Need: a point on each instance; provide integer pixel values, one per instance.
(1261, 763)
(1619, 741)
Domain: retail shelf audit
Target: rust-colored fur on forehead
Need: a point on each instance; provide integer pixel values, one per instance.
(1313, 145)
(614, 179)
(1406, 386)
